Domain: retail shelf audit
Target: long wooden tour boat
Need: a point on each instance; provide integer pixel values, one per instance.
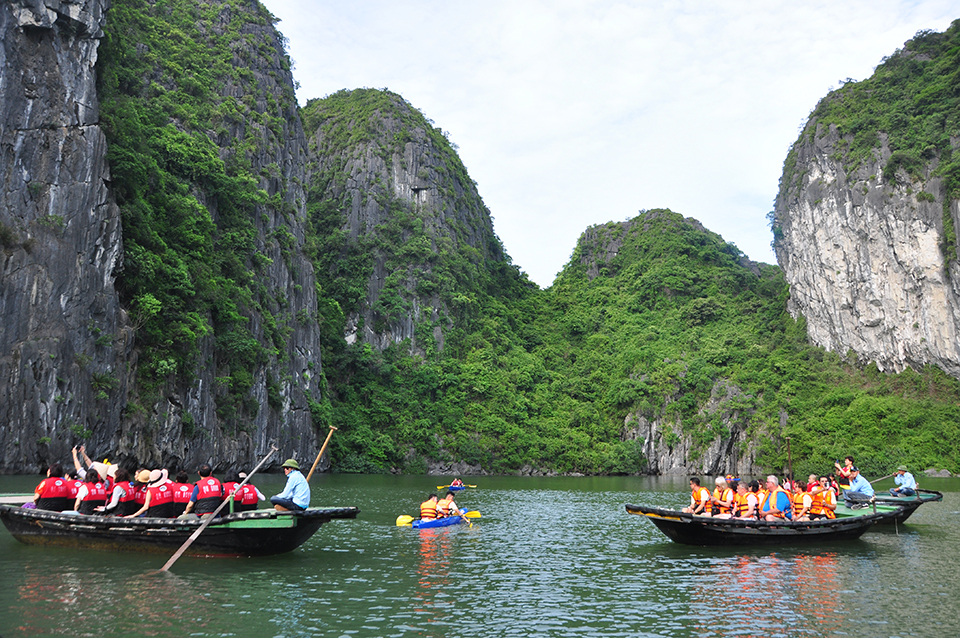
(253, 533)
(705, 530)
(908, 504)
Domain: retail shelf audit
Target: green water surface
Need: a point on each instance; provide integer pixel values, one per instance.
(549, 557)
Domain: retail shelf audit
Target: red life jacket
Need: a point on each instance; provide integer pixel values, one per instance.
(140, 495)
(161, 501)
(249, 495)
(209, 495)
(54, 494)
(182, 492)
(96, 496)
(74, 485)
(231, 486)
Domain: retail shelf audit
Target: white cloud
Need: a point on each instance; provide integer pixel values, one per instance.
(574, 113)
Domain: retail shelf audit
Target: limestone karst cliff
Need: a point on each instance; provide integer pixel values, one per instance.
(64, 341)
(868, 205)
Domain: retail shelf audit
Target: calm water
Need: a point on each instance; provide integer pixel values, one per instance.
(550, 557)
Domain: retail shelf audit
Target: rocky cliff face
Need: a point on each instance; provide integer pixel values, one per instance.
(866, 214)
(63, 340)
(69, 353)
(397, 188)
(864, 261)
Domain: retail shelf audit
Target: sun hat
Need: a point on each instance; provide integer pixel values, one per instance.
(100, 468)
(143, 476)
(158, 477)
(112, 470)
(291, 464)
(901, 468)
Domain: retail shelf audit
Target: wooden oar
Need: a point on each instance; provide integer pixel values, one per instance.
(882, 477)
(212, 516)
(322, 449)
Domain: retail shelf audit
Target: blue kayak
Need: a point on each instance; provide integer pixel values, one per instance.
(437, 522)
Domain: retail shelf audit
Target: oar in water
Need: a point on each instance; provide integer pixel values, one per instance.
(404, 519)
(443, 487)
(212, 516)
(322, 449)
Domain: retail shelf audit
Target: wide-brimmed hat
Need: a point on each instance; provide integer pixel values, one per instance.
(112, 470)
(101, 469)
(157, 477)
(143, 476)
(901, 468)
(291, 464)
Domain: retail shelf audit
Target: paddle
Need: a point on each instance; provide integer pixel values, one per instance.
(212, 516)
(882, 477)
(443, 487)
(322, 449)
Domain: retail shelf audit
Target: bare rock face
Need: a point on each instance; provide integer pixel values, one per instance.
(670, 451)
(863, 257)
(62, 336)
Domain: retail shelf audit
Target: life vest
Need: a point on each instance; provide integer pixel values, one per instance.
(249, 495)
(74, 485)
(701, 495)
(821, 500)
(128, 502)
(182, 492)
(798, 504)
(140, 495)
(741, 504)
(770, 499)
(428, 510)
(54, 494)
(161, 501)
(96, 496)
(209, 495)
(725, 494)
(231, 486)
(443, 508)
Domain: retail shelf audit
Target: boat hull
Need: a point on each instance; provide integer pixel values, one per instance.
(706, 531)
(438, 522)
(908, 504)
(256, 533)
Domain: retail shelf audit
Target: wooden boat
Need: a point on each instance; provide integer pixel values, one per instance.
(253, 533)
(704, 530)
(908, 504)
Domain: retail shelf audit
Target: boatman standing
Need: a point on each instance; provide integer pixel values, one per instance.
(906, 484)
(295, 496)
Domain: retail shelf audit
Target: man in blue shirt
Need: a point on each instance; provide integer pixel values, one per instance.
(296, 493)
(860, 491)
(906, 484)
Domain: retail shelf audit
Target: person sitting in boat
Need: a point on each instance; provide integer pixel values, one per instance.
(182, 490)
(824, 500)
(250, 496)
(775, 503)
(859, 492)
(746, 500)
(106, 470)
(456, 483)
(53, 492)
(159, 498)
(802, 502)
(812, 482)
(428, 508)
(295, 496)
(207, 493)
(91, 495)
(699, 499)
(906, 484)
(722, 498)
(447, 507)
(123, 497)
(230, 484)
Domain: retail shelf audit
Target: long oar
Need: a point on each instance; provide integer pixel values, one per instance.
(882, 477)
(322, 449)
(206, 522)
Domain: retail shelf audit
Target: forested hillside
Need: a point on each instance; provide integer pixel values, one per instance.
(285, 269)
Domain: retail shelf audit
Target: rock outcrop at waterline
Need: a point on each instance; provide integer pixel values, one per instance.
(866, 236)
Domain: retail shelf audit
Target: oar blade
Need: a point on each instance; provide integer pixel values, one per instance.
(403, 519)
(472, 514)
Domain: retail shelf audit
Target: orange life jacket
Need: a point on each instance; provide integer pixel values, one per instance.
(798, 504)
(428, 510)
(725, 494)
(701, 495)
(773, 503)
(820, 500)
(443, 508)
(741, 504)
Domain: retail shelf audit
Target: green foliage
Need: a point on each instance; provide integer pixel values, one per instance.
(180, 146)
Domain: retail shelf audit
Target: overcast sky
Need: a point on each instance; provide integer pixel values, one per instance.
(574, 113)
